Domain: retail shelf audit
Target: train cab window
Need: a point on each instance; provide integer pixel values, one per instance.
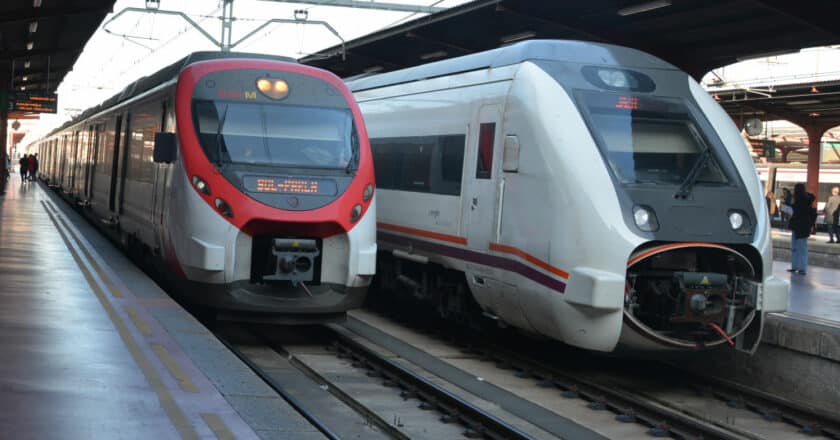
(649, 140)
(272, 134)
(484, 161)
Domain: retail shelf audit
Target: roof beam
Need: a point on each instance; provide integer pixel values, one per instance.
(360, 4)
(30, 14)
(816, 15)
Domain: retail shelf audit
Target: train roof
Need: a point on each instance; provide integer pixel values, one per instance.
(583, 52)
(163, 75)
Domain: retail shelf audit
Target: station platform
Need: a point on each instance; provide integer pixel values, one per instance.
(820, 251)
(92, 348)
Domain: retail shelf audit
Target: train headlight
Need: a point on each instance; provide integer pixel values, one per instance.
(201, 185)
(645, 218)
(368, 192)
(736, 220)
(273, 88)
(740, 223)
(355, 213)
(223, 207)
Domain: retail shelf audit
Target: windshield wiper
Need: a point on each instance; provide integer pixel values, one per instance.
(688, 183)
(219, 136)
(354, 146)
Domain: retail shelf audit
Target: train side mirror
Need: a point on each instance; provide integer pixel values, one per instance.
(165, 148)
(510, 154)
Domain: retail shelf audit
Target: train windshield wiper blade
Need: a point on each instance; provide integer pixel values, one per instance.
(354, 146)
(219, 136)
(688, 184)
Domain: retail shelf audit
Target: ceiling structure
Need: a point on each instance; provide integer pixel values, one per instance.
(695, 35)
(40, 40)
(807, 105)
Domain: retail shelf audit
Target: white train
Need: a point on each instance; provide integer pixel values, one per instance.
(586, 192)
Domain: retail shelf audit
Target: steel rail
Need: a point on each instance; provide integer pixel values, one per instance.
(291, 400)
(478, 422)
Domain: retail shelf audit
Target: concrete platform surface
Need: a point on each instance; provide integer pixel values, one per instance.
(93, 349)
(820, 251)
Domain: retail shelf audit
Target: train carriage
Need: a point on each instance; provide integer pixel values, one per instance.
(585, 192)
(247, 179)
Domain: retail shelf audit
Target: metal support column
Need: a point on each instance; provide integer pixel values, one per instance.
(815, 134)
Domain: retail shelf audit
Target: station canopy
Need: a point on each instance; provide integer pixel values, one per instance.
(806, 104)
(695, 35)
(41, 40)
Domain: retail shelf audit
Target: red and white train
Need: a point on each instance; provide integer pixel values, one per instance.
(247, 179)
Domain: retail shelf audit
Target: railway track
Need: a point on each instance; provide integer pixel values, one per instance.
(663, 414)
(431, 411)
(380, 382)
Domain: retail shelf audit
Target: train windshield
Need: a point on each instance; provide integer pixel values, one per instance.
(278, 135)
(650, 140)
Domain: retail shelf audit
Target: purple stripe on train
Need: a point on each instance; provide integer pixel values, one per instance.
(476, 257)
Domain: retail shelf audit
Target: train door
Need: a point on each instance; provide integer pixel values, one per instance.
(482, 189)
(87, 164)
(161, 177)
(126, 149)
(93, 156)
(112, 192)
(65, 158)
(74, 161)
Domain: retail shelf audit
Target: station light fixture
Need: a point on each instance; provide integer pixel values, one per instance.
(33, 27)
(804, 102)
(36, 3)
(518, 37)
(643, 7)
(23, 88)
(30, 45)
(25, 78)
(433, 55)
(26, 64)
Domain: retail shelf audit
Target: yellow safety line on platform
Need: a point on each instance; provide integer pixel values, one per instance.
(174, 369)
(138, 321)
(170, 407)
(217, 425)
(114, 290)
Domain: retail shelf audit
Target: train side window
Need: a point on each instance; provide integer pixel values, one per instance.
(430, 164)
(484, 159)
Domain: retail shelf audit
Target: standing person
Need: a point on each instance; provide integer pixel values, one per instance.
(830, 211)
(24, 166)
(787, 200)
(5, 164)
(801, 222)
(771, 205)
(33, 163)
(30, 168)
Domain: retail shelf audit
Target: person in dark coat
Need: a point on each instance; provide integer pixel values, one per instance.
(801, 223)
(24, 166)
(787, 199)
(33, 165)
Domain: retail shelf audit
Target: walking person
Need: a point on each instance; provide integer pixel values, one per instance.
(33, 167)
(831, 210)
(801, 222)
(30, 168)
(24, 166)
